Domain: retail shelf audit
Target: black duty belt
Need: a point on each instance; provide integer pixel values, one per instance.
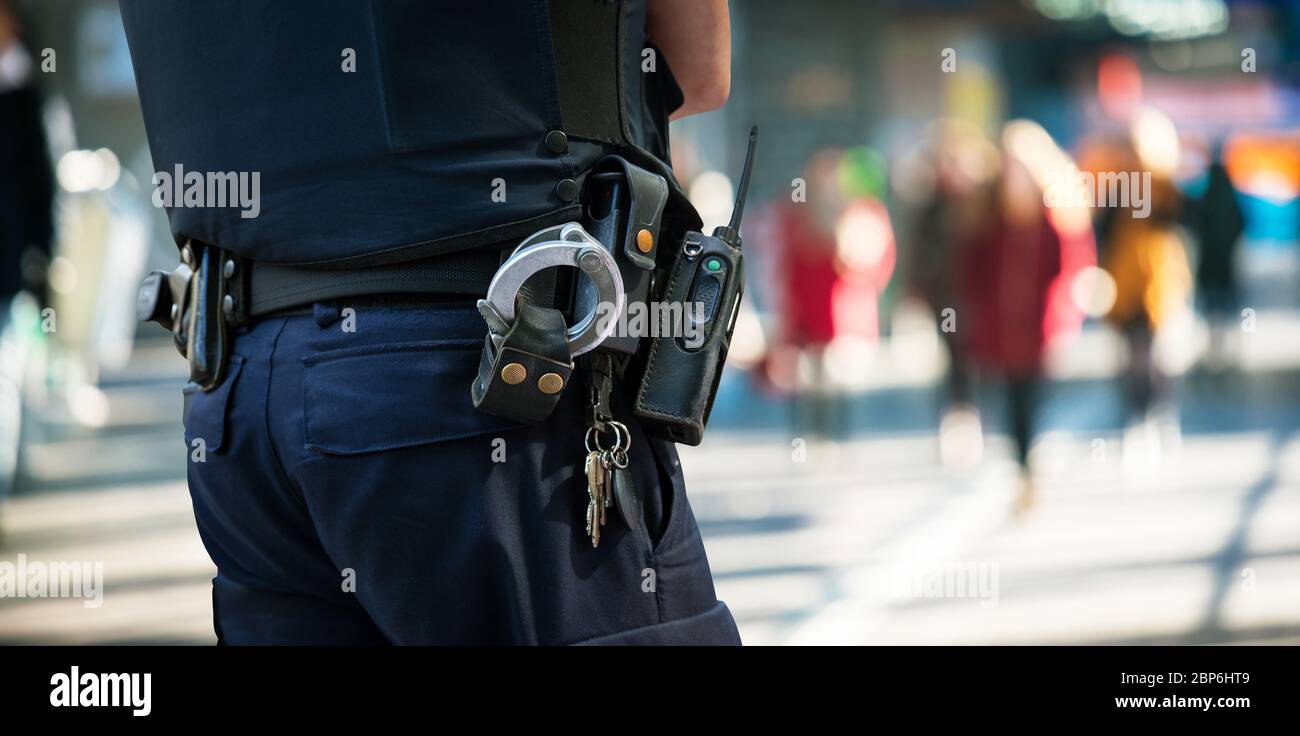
(267, 288)
(239, 290)
(213, 293)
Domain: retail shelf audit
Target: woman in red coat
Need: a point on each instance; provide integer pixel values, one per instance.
(1015, 273)
(835, 257)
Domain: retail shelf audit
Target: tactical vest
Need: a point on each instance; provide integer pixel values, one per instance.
(382, 131)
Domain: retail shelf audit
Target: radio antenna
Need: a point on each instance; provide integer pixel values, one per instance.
(731, 233)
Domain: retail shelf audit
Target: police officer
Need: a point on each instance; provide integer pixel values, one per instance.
(343, 179)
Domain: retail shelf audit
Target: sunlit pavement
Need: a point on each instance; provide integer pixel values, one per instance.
(865, 541)
(880, 546)
(113, 495)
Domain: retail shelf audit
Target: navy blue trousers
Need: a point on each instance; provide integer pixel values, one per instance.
(349, 493)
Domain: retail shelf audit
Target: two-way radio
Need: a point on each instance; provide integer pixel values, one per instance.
(682, 370)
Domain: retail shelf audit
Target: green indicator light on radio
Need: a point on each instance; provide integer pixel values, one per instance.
(713, 264)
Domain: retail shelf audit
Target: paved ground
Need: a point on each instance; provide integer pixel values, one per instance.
(1206, 553)
(867, 540)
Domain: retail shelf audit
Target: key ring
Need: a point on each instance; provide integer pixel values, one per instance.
(619, 459)
(618, 453)
(618, 439)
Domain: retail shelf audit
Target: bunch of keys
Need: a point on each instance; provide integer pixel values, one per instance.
(600, 467)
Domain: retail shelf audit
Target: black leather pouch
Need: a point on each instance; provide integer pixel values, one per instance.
(624, 212)
(207, 343)
(680, 380)
(522, 374)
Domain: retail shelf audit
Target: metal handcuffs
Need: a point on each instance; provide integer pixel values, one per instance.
(561, 245)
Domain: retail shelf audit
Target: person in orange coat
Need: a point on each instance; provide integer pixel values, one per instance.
(1144, 254)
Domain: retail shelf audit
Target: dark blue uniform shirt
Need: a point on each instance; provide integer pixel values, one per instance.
(449, 105)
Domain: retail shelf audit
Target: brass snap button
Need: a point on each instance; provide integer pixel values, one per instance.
(550, 383)
(514, 373)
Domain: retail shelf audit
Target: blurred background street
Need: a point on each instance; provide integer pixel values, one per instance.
(959, 409)
(803, 551)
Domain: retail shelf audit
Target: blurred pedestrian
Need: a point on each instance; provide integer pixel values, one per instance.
(27, 183)
(1013, 276)
(864, 252)
(1217, 222)
(26, 223)
(804, 231)
(836, 254)
(1144, 254)
(956, 164)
